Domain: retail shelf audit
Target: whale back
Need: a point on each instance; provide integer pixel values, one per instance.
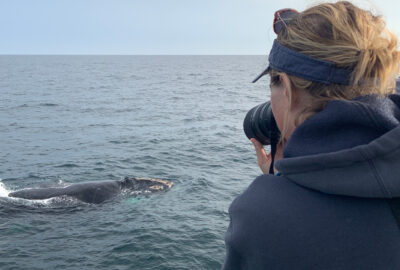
(38, 193)
(94, 192)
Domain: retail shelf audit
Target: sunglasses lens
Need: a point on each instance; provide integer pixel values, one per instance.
(282, 18)
(278, 25)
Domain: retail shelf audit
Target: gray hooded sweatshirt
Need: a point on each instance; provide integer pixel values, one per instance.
(336, 202)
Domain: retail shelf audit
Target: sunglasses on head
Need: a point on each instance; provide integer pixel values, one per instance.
(282, 17)
(294, 63)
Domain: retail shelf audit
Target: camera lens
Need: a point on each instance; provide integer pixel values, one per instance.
(260, 124)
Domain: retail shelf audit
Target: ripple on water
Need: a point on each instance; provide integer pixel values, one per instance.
(67, 165)
(48, 104)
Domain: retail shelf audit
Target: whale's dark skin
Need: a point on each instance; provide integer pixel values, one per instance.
(95, 192)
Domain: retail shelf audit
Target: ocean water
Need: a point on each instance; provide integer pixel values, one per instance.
(69, 119)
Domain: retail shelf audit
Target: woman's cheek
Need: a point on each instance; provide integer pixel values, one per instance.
(277, 106)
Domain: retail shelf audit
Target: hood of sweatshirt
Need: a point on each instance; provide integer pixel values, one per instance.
(350, 148)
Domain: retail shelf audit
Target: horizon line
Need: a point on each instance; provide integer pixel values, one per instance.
(132, 54)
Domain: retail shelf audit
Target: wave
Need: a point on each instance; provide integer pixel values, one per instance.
(3, 191)
(48, 104)
(67, 165)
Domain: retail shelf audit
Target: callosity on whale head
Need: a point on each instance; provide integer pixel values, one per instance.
(146, 184)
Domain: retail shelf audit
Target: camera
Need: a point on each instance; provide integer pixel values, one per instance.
(260, 124)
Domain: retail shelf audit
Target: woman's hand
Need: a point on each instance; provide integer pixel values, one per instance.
(264, 160)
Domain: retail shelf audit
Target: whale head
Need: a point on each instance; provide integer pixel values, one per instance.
(146, 184)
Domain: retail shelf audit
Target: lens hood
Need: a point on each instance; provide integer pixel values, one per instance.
(260, 124)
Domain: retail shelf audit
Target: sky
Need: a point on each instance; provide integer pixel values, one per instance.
(151, 27)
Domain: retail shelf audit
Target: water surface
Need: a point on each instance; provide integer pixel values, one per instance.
(69, 119)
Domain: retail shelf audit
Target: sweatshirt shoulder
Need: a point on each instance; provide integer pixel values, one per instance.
(263, 191)
(276, 223)
(263, 219)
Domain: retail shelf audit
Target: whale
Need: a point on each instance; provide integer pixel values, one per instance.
(96, 191)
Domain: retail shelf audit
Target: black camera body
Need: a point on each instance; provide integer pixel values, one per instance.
(260, 124)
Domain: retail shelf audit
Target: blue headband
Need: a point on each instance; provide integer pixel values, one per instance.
(303, 66)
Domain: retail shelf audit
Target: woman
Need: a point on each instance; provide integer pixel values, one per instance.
(334, 202)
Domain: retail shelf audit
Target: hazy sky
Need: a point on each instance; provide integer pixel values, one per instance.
(150, 26)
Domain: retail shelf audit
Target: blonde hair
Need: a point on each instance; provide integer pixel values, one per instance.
(350, 37)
